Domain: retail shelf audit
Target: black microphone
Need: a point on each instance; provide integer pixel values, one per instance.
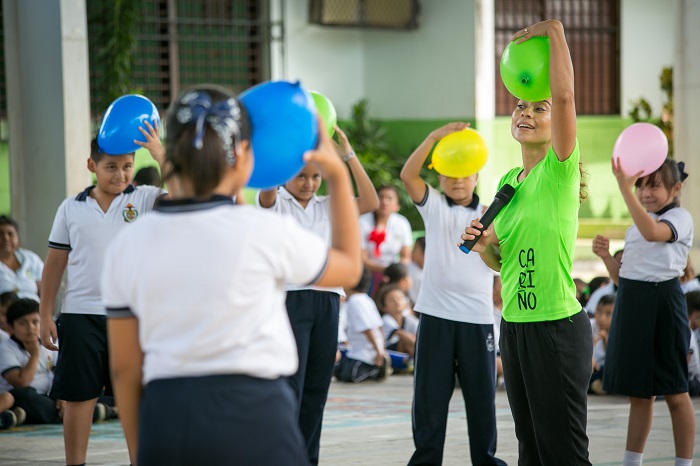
(503, 197)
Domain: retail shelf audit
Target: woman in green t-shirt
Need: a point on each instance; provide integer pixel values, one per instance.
(545, 340)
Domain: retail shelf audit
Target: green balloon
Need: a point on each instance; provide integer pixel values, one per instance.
(326, 109)
(525, 69)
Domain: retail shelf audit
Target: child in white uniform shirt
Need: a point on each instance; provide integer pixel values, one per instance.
(27, 367)
(456, 332)
(399, 324)
(203, 327)
(83, 227)
(366, 358)
(313, 311)
(650, 317)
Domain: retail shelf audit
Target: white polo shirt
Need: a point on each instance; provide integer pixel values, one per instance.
(209, 294)
(81, 227)
(362, 315)
(24, 279)
(14, 356)
(456, 286)
(655, 261)
(398, 235)
(315, 217)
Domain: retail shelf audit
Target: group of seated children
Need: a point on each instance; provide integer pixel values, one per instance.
(26, 368)
(377, 334)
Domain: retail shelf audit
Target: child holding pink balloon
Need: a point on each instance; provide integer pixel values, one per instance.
(647, 354)
(83, 227)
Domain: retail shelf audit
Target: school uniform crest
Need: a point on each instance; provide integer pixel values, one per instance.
(130, 213)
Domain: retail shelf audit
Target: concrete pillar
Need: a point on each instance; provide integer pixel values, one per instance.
(48, 98)
(686, 98)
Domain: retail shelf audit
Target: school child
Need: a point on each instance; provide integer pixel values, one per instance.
(20, 269)
(692, 299)
(83, 227)
(600, 327)
(6, 299)
(650, 317)
(395, 274)
(456, 331)
(399, 324)
(27, 367)
(366, 358)
(202, 327)
(313, 311)
(415, 268)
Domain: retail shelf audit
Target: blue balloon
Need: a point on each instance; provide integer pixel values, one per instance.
(120, 124)
(283, 120)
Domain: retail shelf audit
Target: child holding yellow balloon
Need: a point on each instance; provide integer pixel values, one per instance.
(455, 335)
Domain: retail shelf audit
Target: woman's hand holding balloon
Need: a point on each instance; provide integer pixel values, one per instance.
(535, 30)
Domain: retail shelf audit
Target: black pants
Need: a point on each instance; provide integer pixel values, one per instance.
(219, 420)
(547, 367)
(40, 409)
(314, 319)
(443, 348)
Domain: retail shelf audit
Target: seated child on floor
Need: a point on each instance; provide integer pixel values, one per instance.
(6, 299)
(366, 357)
(400, 325)
(600, 326)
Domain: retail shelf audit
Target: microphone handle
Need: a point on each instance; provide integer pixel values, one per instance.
(486, 221)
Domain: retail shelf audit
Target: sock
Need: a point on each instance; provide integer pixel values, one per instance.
(683, 462)
(632, 458)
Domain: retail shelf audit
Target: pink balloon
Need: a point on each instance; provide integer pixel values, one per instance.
(641, 146)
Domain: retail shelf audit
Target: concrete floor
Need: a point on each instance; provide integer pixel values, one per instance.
(370, 424)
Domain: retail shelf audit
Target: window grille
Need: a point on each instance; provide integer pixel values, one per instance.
(592, 31)
(384, 14)
(185, 42)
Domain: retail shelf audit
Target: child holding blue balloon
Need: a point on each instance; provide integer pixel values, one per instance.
(313, 311)
(83, 227)
(647, 353)
(200, 339)
(456, 334)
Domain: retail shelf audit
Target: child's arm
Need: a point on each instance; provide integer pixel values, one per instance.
(410, 173)
(55, 265)
(153, 144)
(21, 378)
(344, 265)
(367, 199)
(267, 198)
(126, 362)
(378, 347)
(601, 248)
(650, 229)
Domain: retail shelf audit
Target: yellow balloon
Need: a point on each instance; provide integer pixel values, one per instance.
(460, 154)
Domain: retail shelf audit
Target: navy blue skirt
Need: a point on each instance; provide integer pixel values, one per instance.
(647, 352)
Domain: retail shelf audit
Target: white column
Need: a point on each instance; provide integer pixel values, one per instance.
(686, 90)
(48, 97)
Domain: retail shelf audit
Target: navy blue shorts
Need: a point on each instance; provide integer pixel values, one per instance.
(219, 419)
(82, 369)
(647, 353)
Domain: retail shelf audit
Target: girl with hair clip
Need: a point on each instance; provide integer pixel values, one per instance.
(545, 336)
(200, 339)
(647, 353)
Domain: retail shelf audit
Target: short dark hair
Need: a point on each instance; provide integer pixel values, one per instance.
(363, 285)
(8, 297)
(21, 308)
(597, 282)
(605, 300)
(147, 176)
(692, 298)
(395, 272)
(7, 220)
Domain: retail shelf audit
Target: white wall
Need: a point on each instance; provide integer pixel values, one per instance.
(421, 74)
(646, 46)
(426, 73)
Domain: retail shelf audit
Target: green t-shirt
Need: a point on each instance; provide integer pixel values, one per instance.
(537, 233)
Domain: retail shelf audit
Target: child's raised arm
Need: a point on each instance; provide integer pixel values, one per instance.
(55, 265)
(344, 258)
(153, 144)
(367, 199)
(410, 173)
